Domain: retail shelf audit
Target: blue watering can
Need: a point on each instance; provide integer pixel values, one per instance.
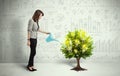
(50, 38)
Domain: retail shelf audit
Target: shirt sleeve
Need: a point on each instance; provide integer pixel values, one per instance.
(30, 25)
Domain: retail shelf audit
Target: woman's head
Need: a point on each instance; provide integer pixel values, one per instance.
(37, 15)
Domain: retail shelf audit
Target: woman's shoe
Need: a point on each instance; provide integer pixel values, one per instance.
(34, 69)
(30, 69)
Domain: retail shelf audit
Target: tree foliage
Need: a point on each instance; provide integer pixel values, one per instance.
(77, 44)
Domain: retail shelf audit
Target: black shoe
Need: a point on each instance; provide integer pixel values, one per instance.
(34, 69)
(29, 69)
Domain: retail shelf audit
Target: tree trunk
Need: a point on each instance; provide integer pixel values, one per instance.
(78, 67)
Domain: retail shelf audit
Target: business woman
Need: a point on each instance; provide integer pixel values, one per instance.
(33, 29)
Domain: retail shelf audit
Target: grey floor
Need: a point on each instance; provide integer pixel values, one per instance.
(60, 69)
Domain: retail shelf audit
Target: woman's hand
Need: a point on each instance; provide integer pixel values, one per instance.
(28, 42)
(47, 33)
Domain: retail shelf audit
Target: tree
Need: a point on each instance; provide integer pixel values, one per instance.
(78, 44)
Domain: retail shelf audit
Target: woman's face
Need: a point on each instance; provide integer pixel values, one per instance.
(40, 16)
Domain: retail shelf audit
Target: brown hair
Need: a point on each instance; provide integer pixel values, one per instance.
(36, 15)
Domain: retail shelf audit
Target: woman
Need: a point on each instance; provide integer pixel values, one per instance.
(33, 28)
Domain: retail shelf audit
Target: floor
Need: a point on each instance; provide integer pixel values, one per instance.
(60, 69)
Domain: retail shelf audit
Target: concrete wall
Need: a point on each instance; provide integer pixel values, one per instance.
(101, 18)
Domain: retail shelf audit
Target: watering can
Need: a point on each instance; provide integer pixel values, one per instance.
(50, 38)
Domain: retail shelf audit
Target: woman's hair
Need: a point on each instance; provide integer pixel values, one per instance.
(36, 15)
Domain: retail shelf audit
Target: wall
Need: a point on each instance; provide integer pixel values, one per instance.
(100, 18)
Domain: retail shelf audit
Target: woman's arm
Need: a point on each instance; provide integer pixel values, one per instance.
(43, 32)
(28, 39)
(30, 24)
(28, 36)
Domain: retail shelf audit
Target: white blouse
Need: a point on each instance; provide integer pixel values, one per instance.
(33, 29)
